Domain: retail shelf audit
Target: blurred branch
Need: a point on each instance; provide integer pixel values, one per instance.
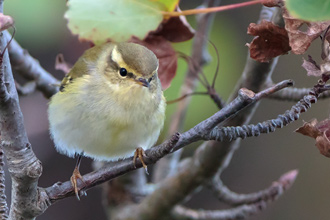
(28, 67)
(216, 98)
(270, 194)
(25, 169)
(295, 94)
(185, 96)
(211, 92)
(200, 56)
(241, 212)
(27, 89)
(248, 204)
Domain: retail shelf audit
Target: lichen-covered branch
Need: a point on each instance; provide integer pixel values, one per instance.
(28, 67)
(271, 193)
(232, 133)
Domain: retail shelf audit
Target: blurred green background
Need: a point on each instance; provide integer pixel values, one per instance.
(41, 29)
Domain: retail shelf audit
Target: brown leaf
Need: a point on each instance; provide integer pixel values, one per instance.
(5, 22)
(166, 55)
(175, 29)
(272, 3)
(300, 40)
(323, 144)
(309, 129)
(320, 131)
(323, 126)
(61, 64)
(311, 67)
(271, 41)
(325, 55)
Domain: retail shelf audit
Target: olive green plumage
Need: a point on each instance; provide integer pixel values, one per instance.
(109, 104)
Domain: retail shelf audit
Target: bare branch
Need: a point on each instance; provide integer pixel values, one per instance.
(62, 190)
(27, 89)
(30, 68)
(23, 165)
(232, 133)
(270, 194)
(216, 98)
(185, 96)
(295, 94)
(241, 212)
(249, 204)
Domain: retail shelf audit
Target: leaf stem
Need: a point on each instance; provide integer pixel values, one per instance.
(167, 14)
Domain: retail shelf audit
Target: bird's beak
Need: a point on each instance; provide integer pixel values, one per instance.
(143, 82)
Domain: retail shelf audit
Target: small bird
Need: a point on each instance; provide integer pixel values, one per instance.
(110, 105)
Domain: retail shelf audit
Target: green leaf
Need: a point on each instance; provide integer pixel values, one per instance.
(115, 20)
(310, 10)
(169, 4)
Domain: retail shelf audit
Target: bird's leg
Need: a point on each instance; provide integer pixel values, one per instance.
(76, 175)
(139, 153)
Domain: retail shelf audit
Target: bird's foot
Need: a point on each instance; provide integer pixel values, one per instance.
(139, 153)
(75, 176)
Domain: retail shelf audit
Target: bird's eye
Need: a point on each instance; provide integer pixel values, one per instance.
(151, 78)
(123, 72)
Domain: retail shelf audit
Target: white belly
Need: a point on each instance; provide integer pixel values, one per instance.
(103, 132)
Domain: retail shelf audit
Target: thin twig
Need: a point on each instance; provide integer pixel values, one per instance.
(295, 94)
(249, 204)
(28, 67)
(194, 67)
(241, 212)
(210, 10)
(185, 96)
(271, 193)
(216, 98)
(218, 64)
